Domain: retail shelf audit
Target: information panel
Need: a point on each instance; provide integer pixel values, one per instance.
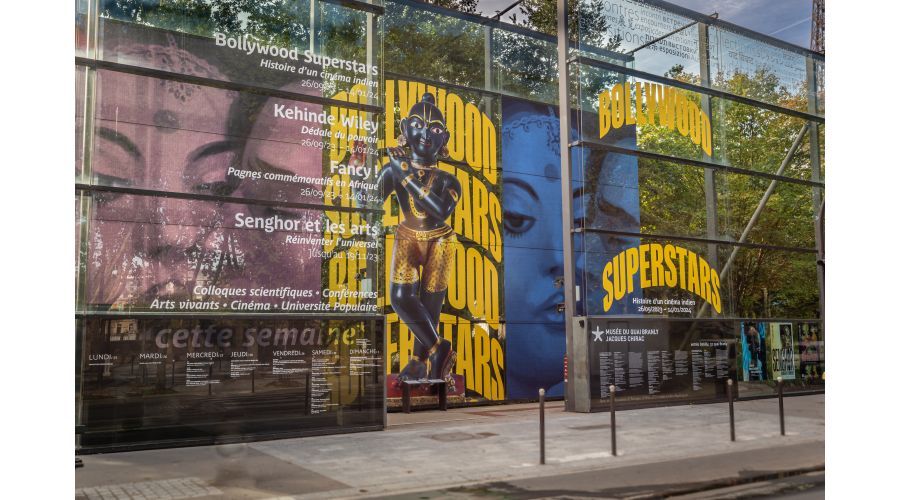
(153, 380)
(657, 360)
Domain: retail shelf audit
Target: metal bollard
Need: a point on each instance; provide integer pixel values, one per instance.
(612, 416)
(253, 380)
(781, 403)
(173, 373)
(209, 382)
(731, 407)
(541, 393)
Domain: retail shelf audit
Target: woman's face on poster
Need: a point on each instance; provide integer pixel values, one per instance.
(173, 137)
(533, 240)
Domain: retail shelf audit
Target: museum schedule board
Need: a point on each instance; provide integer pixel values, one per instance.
(284, 210)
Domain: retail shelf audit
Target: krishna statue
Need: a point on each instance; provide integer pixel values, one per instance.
(423, 256)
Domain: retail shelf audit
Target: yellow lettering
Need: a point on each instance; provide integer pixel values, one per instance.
(639, 115)
(603, 103)
(618, 106)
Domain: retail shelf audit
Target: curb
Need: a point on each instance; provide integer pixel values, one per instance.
(727, 482)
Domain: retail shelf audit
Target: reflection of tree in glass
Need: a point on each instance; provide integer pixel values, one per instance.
(529, 65)
(753, 138)
(434, 46)
(280, 22)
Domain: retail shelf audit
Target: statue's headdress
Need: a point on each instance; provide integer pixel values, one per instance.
(427, 111)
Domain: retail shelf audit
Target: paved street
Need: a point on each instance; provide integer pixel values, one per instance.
(491, 452)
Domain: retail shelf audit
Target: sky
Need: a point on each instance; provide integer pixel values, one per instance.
(788, 20)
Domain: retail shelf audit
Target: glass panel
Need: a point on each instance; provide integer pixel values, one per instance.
(811, 351)
(169, 254)
(169, 136)
(751, 68)
(80, 76)
(766, 283)
(674, 278)
(756, 139)
(469, 313)
(664, 119)
(794, 351)
(434, 46)
(672, 197)
(81, 27)
(626, 26)
(822, 151)
(266, 44)
(650, 277)
(820, 87)
(787, 218)
(524, 66)
(155, 380)
(81, 226)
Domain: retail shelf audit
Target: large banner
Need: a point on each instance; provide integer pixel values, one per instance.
(207, 202)
(301, 243)
(444, 262)
(605, 197)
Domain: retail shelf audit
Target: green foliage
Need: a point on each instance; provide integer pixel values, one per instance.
(281, 22)
(434, 46)
(587, 23)
(672, 196)
(467, 6)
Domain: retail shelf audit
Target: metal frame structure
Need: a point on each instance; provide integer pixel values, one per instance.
(91, 62)
(578, 393)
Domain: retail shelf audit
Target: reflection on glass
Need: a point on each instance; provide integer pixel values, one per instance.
(81, 27)
(151, 380)
(524, 66)
(767, 283)
(785, 220)
(434, 46)
(757, 139)
(629, 27)
(268, 44)
(184, 138)
(820, 87)
(80, 76)
(751, 68)
(167, 254)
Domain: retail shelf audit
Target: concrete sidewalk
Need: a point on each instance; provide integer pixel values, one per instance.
(660, 449)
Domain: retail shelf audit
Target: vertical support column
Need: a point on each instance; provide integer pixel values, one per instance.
(313, 20)
(373, 50)
(488, 67)
(84, 201)
(578, 397)
(815, 159)
(709, 175)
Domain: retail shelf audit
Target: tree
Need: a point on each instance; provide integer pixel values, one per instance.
(587, 22)
(467, 6)
(757, 139)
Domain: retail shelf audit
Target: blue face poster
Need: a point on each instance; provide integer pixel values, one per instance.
(535, 325)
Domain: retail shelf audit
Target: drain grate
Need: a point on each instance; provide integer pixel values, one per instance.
(460, 436)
